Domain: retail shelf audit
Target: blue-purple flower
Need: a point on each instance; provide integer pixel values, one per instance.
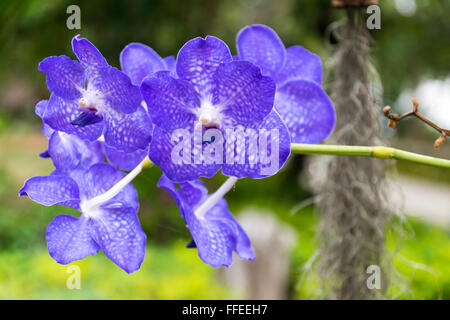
(90, 98)
(139, 61)
(107, 223)
(197, 114)
(69, 153)
(301, 102)
(127, 160)
(201, 115)
(216, 233)
(81, 175)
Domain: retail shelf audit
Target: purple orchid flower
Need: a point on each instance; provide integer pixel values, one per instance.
(68, 151)
(216, 234)
(109, 223)
(139, 61)
(213, 102)
(128, 159)
(70, 154)
(203, 112)
(301, 102)
(125, 160)
(171, 64)
(39, 109)
(99, 107)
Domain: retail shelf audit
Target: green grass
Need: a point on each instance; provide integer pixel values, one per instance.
(420, 263)
(167, 273)
(420, 270)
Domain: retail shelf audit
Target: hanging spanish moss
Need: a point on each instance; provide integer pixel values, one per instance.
(349, 190)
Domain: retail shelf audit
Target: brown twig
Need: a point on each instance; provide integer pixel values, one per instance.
(395, 118)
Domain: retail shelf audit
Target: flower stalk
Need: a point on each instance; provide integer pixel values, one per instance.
(379, 152)
(215, 197)
(111, 193)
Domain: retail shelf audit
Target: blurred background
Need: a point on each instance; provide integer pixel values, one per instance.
(411, 52)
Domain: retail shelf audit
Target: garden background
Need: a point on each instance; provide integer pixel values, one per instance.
(411, 52)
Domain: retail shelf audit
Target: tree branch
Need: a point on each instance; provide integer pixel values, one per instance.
(394, 119)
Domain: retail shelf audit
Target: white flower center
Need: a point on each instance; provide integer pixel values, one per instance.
(88, 210)
(209, 115)
(91, 99)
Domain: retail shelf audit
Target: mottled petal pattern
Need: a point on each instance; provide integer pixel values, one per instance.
(170, 101)
(119, 234)
(262, 153)
(188, 166)
(261, 46)
(194, 193)
(90, 58)
(216, 234)
(128, 132)
(100, 178)
(220, 212)
(214, 239)
(198, 59)
(65, 77)
(69, 239)
(138, 61)
(69, 152)
(125, 160)
(188, 197)
(307, 111)
(51, 190)
(301, 64)
(244, 94)
(59, 116)
(117, 90)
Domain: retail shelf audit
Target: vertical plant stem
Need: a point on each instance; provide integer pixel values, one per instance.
(350, 189)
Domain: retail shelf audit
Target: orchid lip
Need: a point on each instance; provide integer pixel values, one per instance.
(87, 118)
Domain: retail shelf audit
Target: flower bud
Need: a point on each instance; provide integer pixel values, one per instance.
(386, 110)
(393, 123)
(439, 141)
(415, 104)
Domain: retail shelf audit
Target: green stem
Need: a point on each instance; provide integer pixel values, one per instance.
(373, 152)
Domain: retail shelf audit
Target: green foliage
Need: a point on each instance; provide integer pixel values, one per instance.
(421, 256)
(167, 273)
(421, 262)
(420, 271)
(406, 48)
(409, 48)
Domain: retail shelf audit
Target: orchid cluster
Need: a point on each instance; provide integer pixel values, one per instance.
(204, 111)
